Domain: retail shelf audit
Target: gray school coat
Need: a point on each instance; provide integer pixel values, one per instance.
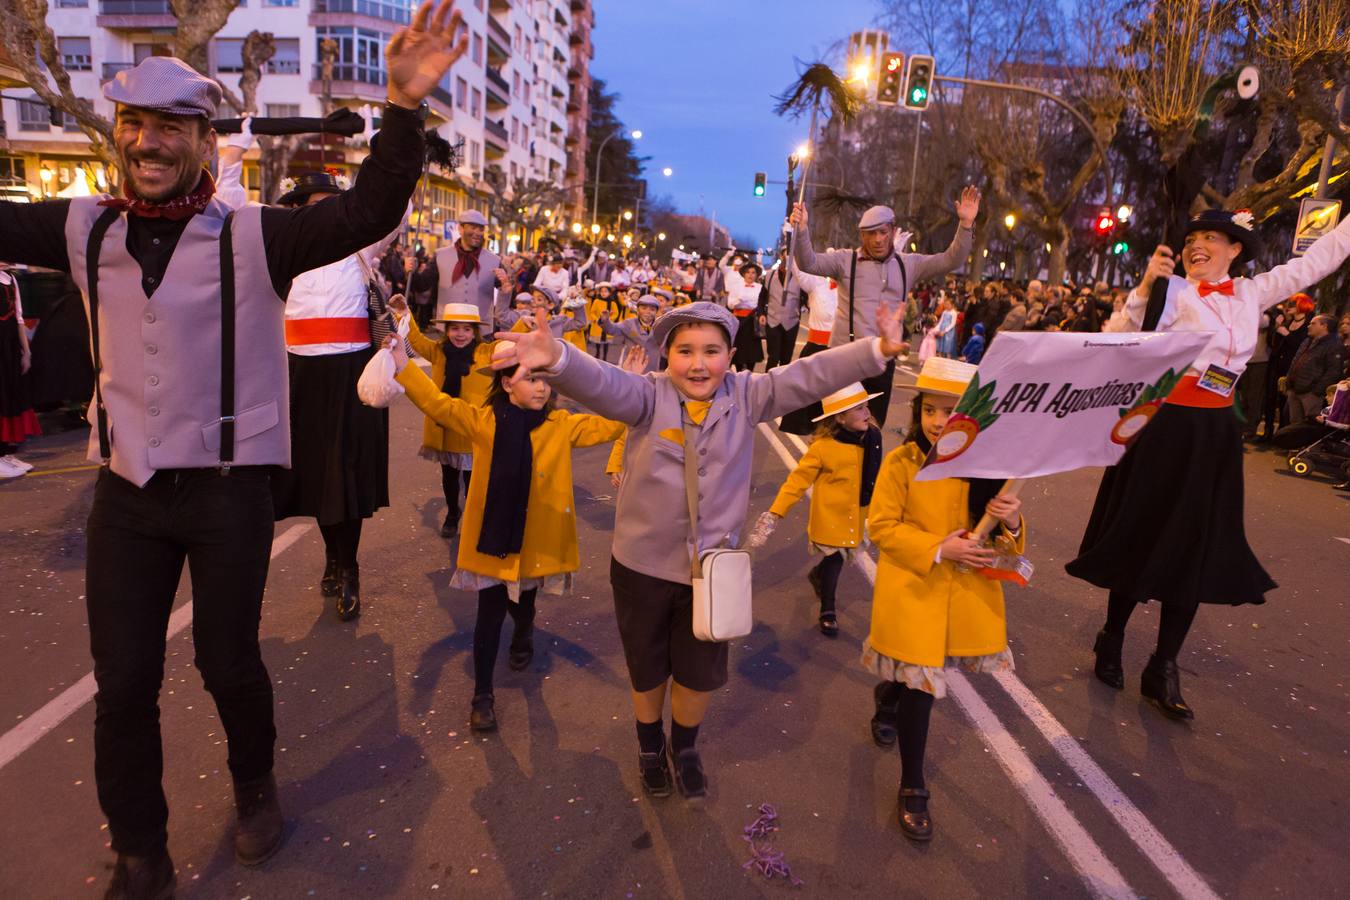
(651, 529)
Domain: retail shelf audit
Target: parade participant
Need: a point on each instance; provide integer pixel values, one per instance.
(468, 272)
(553, 276)
(18, 422)
(598, 265)
(782, 312)
(745, 300)
(650, 570)
(339, 473)
(543, 310)
(181, 292)
(710, 282)
(840, 470)
(638, 331)
(457, 363)
(604, 304)
(520, 527)
(930, 610)
(876, 273)
(822, 299)
(1167, 524)
(620, 275)
(574, 307)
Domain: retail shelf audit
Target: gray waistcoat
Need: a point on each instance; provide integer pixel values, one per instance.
(161, 354)
(478, 288)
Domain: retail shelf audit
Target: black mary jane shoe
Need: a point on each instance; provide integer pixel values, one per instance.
(450, 527)
(521, 653)
(915, 821)
(689, 777)
(655, 771)
(1109, 669)
(1160, 684)
(884, 730)
(483, 714)
(829, 624)
(142, 878)
(349, 596)
(331, 582)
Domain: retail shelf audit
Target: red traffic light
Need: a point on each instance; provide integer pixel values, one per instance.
(1105, 223)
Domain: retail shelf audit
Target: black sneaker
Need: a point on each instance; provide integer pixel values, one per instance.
(689, 777)
(655, 771)
(142, 878)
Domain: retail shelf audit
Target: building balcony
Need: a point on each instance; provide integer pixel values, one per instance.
(385, 10)
(498, 30)
(496, 100)
(139, 15)
(494, 77)
(496, 131)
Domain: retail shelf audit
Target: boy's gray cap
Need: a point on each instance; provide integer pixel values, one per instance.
(702, 311)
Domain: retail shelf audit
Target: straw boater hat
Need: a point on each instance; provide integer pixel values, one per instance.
(460, 312)
(940, 375)
(844, 400)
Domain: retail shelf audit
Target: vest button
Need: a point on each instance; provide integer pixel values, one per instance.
(154, 410)
(702, 471)
(152, 380)
(151, 349)
(150, 279)
(149, 318)
(154, 442)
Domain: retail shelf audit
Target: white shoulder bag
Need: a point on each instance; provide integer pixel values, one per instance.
(721, 577)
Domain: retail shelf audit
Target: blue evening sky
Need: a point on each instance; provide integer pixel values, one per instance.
(698, 78)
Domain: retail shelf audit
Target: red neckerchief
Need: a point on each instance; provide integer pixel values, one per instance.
(466, 262)
(1208, 287)
(175, 209)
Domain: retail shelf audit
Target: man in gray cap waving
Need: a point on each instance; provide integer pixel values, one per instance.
(468, 272)
(876, 273)
(185, 306)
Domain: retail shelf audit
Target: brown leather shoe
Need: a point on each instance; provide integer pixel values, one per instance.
(259, 833)
(915, 821)
(142, 878)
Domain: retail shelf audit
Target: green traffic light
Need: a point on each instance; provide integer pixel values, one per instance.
(917, 95)
(1120, 247)
(759, 190)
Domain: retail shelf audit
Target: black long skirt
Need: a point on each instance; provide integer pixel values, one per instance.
(799, 420)
(748, 349)
(1167, 524)
(339, 446)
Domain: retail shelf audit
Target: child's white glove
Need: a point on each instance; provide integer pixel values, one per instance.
(764, 528)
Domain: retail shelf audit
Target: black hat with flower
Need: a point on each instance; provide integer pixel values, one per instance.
(1239, 226)
(295, 191)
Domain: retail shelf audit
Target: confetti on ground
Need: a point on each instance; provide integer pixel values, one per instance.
(763, 858)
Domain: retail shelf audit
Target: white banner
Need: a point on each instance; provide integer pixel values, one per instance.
(1051, 402)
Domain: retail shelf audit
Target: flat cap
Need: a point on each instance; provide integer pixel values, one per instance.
(472, 217)
(702, 311)
(876, 217)
(648, 300)
(165, 84)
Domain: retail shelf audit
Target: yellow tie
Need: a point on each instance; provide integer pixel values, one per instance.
(698, 410)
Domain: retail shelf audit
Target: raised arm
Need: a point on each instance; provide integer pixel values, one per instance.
(1321, 259)
(457, 415)
(827, 265)
(919, 267)
(806, 380)
(35, 233)
(798, 482)
(230, 188)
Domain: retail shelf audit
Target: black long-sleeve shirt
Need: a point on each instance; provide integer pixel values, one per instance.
(295, 240)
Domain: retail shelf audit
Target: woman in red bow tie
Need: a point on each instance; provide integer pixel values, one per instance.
(1167, 524)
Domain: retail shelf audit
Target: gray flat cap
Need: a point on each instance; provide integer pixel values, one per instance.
(472, 217)
(648, 300)
(876, 217)
(165, 84)
(702, 311)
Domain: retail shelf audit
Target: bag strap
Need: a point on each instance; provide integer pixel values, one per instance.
(92, 250)
(852, 276)
(691, 493)
(227, 344)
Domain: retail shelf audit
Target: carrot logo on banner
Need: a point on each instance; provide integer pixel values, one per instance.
(1052, 402)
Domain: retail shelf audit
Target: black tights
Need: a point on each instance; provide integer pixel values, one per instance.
(342, 540)
(829, 569)
(450, 479)
(1172, 629)
(494, 604)
(912, 713)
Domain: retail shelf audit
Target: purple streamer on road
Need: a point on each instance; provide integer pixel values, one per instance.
(766, 860)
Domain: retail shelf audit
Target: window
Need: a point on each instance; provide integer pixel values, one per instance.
(281, 3)
(286, 61)
(475, 155)
(461, 93)
(391, 10)
(12, 170)
(476, 105)
(34, 116)
(282, 110)
(477, 51)
(515, 84)
(76, 55)
(72, 4)
(360, 54)
(142, 52)
(229, 54)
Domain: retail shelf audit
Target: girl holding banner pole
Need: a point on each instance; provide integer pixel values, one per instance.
(1167, 524)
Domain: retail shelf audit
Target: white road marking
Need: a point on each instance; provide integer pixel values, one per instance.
(1343, 540)
(28, 732)
(1101, 877)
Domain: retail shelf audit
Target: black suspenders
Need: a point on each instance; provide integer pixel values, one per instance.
(227, 336)
(852, 274)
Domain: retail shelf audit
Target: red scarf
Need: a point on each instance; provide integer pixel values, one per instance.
(175, 209)
(466, 262)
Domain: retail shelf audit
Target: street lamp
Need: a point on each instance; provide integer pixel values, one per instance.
(661, 236)
(803, 152)
(628, 215)
(576, 228)
(1124, 213)
(1010, 220)
(667, 171)
(595, 194)
(595, 229)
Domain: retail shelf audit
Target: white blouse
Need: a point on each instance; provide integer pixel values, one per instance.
(1235, 322)
(822, 299)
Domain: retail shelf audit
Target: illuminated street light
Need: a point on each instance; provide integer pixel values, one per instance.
(576, 228)
(595, 229)
(637, 135)
(667, 171)
(661, 236)
(1010, 221)
(628, 215)
(1124, 213)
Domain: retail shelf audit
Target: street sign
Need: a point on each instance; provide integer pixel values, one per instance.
(1315, 218)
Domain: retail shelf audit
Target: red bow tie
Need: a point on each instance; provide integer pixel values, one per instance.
(1209, 287)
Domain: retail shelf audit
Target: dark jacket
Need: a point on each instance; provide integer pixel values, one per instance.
(1317, 366)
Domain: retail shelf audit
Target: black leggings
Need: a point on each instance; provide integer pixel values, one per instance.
(494, 604)
(341, 541)
(450, 480)
(829, 569)
(1172, 629)
(912, 714)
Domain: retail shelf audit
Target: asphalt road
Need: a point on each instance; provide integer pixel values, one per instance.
(1044, 784)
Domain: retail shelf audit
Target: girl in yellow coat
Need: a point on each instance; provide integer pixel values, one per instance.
(931, 609)
(519, 533)
(840, 469)
(457, 363)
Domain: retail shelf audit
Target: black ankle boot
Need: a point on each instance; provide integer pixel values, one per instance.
(887, 697)
(522, 648)
(1109, 668)
(260, 827)
(349, 597)
(483, 713)
(450, 527)
(1160, 684)
(331, 583)
(142, 877)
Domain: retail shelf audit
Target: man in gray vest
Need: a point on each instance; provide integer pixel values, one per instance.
(782, 312)
(467, 272)
(185, 305)
(877, 273)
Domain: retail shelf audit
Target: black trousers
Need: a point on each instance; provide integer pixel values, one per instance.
(138, 539)
(780, 343)
(880, 384)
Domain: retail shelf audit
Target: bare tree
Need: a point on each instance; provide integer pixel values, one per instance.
(198, 22)
(522, 206)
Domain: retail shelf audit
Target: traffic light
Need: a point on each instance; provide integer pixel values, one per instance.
(890, 79)
(919, 82)
(1104, 224)
(1120, 248)
(760, 180)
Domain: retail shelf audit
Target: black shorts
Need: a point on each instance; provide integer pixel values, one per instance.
(656, 626)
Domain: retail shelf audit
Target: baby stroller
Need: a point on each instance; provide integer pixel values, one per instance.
(1323, 444)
